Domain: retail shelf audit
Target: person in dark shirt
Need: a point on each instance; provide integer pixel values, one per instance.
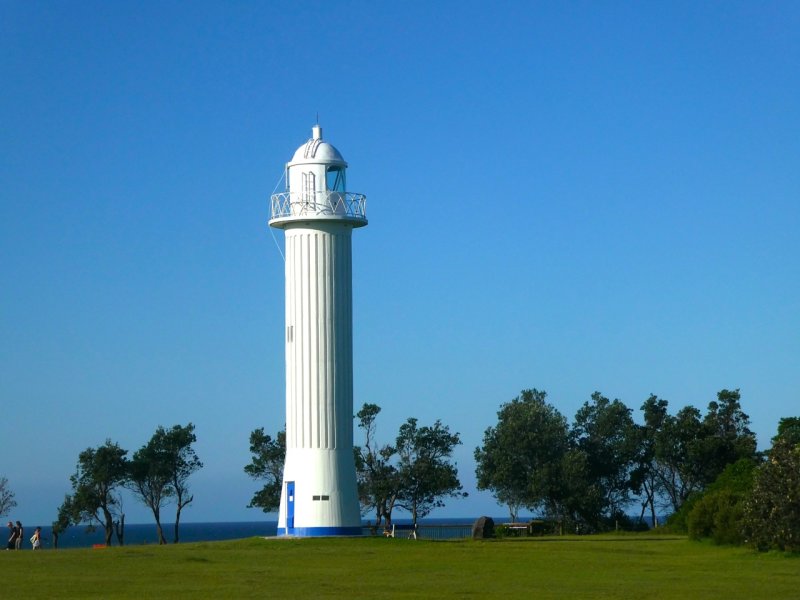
(12, 538)
(18, 541)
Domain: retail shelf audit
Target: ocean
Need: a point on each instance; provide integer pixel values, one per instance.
(145, 533)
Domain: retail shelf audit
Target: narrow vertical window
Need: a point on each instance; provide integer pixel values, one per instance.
(309, 187)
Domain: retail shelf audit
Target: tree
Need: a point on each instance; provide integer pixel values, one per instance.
(788, 430)
(577, 501)
(7, 501)
(99, 473)
(684, 453)
(425, 473)
(267, 464)
(679, 462)
(151, 477)
(772, 514)
(378, 481)
(605, 432)
(727, 437)
(63, 519)
(181, 462)
(521, 455)
(645, 478)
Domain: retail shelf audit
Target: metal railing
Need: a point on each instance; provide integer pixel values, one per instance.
(444, 532)
(319, 204)
(426, 532)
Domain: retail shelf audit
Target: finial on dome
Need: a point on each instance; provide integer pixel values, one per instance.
(316, 132)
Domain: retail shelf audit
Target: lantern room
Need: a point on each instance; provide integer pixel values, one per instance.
(316, 186)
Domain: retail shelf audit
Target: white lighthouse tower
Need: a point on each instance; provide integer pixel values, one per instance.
(318, 215)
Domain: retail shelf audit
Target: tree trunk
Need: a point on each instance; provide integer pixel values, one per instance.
(651, 499)
(108, 526)
(161, 539)
(177, 521)
(157, 516)
(387, 510)
(119, 528)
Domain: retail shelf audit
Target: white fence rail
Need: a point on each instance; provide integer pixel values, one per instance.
(319, 204)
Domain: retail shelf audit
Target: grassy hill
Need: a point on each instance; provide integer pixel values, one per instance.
(642, 566)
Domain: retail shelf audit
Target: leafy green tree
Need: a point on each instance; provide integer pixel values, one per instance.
(151, 477)
(605, 432)
(63, 519)
(520, 460)
(691, 451)
(679, 461)
(578, 501)
(378, 481)
(788, 430)
(175, 447)
(726, 437)
(269, 456)
(99, 474)
(645, 479)
(425, 473)
(7, 501)
(772, 514)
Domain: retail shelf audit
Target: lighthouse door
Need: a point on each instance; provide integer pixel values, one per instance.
(290, 505)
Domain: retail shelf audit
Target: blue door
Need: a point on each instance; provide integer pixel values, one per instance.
(290, 505)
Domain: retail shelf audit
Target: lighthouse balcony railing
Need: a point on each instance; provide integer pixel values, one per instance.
(319, 204)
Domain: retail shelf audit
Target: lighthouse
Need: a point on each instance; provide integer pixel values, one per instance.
(318, 215)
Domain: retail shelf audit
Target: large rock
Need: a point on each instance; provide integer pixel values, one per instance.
(483, 528)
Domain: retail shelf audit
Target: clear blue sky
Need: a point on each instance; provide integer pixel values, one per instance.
(573, 196)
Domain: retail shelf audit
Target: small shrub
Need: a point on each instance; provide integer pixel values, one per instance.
(719, 512)
(729, 521)
(718, 515)
(700, 519)
(501, 531)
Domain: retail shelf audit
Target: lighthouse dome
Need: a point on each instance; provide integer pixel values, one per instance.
(316, 151)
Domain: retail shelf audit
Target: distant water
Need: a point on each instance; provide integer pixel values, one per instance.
(145, 533)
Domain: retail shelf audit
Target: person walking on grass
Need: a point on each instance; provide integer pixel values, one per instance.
(36, 539)
(18, 541)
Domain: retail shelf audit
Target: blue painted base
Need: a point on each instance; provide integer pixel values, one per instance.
(318, 531)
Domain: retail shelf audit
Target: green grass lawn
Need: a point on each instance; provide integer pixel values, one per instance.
(575, 567)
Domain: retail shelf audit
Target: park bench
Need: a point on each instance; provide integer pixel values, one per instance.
(518, 528)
